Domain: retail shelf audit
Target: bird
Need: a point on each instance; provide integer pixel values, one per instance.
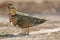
(23, 20)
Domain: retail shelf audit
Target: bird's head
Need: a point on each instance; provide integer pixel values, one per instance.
(11, 8)
(9, 5)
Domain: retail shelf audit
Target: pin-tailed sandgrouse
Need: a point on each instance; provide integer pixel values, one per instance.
(23, 20)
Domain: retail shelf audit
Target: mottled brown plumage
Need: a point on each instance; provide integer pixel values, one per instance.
(23, 21)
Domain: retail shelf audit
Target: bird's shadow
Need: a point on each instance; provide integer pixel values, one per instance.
(12, 35)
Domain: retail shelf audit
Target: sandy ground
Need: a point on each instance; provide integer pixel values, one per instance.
(47, 31)
(52, 36)
(38, 36)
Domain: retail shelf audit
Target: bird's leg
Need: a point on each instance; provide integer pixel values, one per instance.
(22, 30)
(25, 31)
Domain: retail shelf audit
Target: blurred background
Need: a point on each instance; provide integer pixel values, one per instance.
(48, 9)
